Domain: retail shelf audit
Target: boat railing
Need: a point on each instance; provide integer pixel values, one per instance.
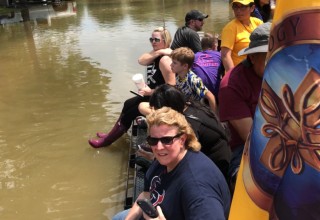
(135, 173)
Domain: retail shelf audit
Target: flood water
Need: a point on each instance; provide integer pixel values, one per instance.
(62, 79)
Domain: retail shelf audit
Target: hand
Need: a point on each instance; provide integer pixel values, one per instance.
(146, 91)
(165, 52)
(145, 154)
(141, 121)
(160, 217)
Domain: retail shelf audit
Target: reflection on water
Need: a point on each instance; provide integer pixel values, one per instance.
(40, 12)
(62, 80)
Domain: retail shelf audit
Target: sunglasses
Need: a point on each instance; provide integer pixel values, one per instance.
(200, 19)
(157, 40)
(167, 140)
(241, 7)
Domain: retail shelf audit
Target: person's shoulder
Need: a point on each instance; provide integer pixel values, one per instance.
(230, 24)
(233, 75)
(165, 58)
(179, 31)
(198, 155)
(240, 75)
(192, 76)
(186, 29)
(214, 53)
(199, 53)
(239, 70)
(155, 165)
(229, 29)
(181, 28)
(199, 168)
(191, 32)
(199, 161)
(256, 21)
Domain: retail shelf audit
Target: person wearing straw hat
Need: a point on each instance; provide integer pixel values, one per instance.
(235, 35)
(239, 93)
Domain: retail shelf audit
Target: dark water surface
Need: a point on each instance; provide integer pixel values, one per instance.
(62, 78)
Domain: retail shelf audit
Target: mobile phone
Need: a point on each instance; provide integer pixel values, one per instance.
(133, 92)
(148, 208)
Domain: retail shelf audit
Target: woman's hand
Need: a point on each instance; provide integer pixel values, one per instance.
(146, 91)
(160, 217)
(165, 52)
(147, 58)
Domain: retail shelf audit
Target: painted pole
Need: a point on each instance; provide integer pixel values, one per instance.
(279, 176)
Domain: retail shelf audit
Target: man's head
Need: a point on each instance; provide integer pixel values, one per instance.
(258, 47)
(195, 19)
(210, 42)
(182, 60)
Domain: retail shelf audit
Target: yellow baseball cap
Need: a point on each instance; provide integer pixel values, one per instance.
(243, 2)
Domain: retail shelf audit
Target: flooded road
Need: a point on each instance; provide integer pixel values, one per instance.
(63, 77)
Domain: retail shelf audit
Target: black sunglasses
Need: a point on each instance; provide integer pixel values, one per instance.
(167, 140)
(157, 40)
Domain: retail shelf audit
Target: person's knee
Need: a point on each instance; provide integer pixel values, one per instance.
(121, 215)
(234, 167)
(144, 108)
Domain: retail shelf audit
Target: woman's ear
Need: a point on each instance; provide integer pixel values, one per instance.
(252, 8)
(183, 139)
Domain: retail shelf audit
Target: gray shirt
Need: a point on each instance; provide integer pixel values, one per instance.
(186, 37)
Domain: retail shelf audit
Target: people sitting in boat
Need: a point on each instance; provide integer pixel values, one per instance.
(206, 125)
(187, 35)
(208, 64)
(158, 72)
(235, 34)
(182, 182)
(187, 81)
(239, 94)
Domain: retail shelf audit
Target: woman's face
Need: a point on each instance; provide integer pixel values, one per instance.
(168, 155)
(157, 41)
(242, 12)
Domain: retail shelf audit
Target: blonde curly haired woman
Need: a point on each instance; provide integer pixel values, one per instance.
(182, 182)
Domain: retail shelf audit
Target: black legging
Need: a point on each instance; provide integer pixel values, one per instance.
(130, 110)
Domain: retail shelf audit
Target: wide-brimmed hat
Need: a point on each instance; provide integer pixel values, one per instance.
(259, 40)
(195, 15)
(244, 2)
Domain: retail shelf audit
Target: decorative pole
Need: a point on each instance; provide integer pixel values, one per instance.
(279, 176)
